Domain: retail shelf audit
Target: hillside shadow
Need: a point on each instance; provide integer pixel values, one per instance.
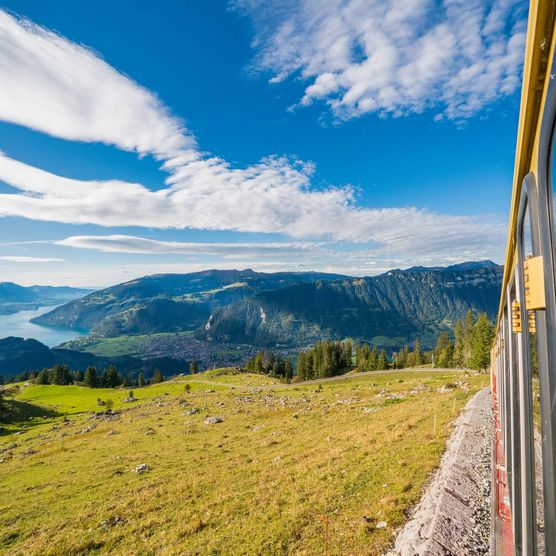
(23, 415)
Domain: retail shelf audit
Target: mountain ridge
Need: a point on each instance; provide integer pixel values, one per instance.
(390, 310)
(167, 302)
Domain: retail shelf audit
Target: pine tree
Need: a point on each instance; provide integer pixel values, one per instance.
(111, 378)
(60, 374)
(443, 352)
(418, 353)
(193, 367)
(42, 377)
(288, 371)
(90, 378)
(483, 334)
(158, 376)
(382, 361)
(140, 379)
(459, 344)
(468, 331)
(3, 404)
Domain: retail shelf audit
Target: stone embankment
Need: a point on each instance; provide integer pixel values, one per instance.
(454, 515)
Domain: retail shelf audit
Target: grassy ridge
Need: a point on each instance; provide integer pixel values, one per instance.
(357, 452)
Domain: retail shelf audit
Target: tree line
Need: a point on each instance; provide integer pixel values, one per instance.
(470, 348)
(60, 374)
(266, 362)
(325, 359)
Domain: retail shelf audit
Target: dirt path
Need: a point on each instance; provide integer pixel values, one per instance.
(453, 516)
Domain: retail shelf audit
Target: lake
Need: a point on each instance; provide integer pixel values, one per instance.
(18, 325)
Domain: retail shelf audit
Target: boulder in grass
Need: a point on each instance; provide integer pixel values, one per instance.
(130, 399)
(213, 420)
(142, 468)
(191, 411)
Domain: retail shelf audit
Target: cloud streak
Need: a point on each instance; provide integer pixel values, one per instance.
(144, 246)
(21, 259)
(393, 56)
(274, 198)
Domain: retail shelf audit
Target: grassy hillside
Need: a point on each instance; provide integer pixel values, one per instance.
(290, 469)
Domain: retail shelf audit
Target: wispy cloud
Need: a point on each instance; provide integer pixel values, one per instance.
(140, 245)
(58, 87)
(393, 56)
(272, 198)
(55, 86)
(19, 259)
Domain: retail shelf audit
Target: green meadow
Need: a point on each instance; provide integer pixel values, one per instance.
(332, 467)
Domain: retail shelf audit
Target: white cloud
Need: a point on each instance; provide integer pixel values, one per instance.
(52, 85)
(140, 245)
(58, 87)
(393, 56)
(273, 197)
(21, 259)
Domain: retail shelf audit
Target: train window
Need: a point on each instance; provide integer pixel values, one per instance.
(530, 398)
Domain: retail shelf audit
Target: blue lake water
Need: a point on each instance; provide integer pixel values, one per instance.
(18, 325)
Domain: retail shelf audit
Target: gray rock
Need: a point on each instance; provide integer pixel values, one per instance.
(213, 420)
(192, 411)
(142, 468)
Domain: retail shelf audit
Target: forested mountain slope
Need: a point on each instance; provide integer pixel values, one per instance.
(167, 302)
(389, 310)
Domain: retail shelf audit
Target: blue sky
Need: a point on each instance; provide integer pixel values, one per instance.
(140, 138)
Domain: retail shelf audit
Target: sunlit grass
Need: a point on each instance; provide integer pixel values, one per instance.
(285, 457)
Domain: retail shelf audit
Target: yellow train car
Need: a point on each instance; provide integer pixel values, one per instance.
(523, 362)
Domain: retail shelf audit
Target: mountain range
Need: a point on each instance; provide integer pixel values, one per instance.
(389, 310)
(15, 298)
(289, 309)
(168, 302)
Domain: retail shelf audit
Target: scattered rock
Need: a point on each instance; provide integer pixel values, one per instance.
(192, 411)
(381, 525)
(142, 468)
(210, 391)
(130, 400)
(111, 522)
(213, 420)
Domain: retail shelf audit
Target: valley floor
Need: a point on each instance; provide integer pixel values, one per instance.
(291, 469)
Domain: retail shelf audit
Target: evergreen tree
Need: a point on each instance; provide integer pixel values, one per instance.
(111, 378)
(78, 376)
(382, 361)
(42, 377)
(3, 404)
(418, 353)
(158, 376)
(483, 335)
(193, 368)
(468, 330)
(288, 370)
(90, 378)
(459, 344)
(443, 352)
(60, 374)
(140, 379)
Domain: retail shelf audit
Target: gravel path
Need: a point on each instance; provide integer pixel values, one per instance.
(454, 515)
